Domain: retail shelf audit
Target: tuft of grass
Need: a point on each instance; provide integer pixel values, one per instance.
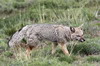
(8, 54)
(68, 59)
(93, 59)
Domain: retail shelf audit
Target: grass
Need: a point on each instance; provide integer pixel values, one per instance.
(93, 59)
(14, 14)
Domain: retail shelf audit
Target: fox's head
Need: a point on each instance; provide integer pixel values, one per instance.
(77, 33)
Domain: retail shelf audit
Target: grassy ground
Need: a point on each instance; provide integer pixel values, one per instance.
(15, 14)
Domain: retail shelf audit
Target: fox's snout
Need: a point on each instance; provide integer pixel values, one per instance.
(82, 40)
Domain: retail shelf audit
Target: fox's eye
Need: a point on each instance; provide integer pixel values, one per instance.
(78, 35)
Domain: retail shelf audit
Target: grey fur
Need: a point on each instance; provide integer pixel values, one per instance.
(34, 34)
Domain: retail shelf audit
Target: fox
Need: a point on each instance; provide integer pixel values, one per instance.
(36, 33)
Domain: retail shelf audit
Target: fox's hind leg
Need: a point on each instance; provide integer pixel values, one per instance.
(54, 45)
(28, 50)
(32, 43)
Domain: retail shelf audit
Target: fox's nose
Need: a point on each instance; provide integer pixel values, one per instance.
(82, 40)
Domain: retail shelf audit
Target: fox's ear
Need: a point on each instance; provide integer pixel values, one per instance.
(72, 29)
(81, 26)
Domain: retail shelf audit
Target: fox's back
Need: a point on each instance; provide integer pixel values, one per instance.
(44, 31)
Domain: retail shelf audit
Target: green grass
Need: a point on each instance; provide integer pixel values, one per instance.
(14, 14)
(93, 59)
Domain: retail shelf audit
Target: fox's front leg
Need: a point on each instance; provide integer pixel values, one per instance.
(64, 49)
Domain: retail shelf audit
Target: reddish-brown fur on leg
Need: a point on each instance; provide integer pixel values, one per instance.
(31, 47)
